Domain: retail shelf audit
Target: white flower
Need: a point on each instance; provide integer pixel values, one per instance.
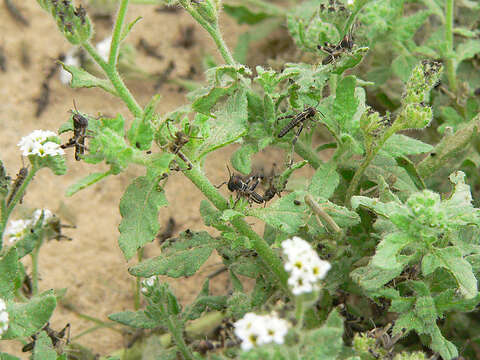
(147, 283)
(17, 229)
(256, 330)
(304, 266)
(70, 59)
(350, 2)
(47, 214)
(103, 47)
(36, 144)
(3, 317)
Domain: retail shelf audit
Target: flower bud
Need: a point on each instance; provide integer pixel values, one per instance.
(208, 10)
(72, 22)
(414, 116)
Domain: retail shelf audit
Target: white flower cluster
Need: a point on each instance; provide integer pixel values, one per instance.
(37, 144)
(256, 330)
(3, 317)
(147, 283)
(304, 266)
(17, 229)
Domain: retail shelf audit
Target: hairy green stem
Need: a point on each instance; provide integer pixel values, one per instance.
(116, 81)
(352, 188)
(35, 254)
(117, 33)
(308, 154)
(262, 248)
(452, 81)
(6, 212)
(177, 333)
(212, 30)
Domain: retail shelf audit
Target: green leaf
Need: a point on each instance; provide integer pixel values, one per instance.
(228, 126)
(345, 105)
(27, 318)
(55, 163)
(388, 251)
(450, 151)
(140, 134)
(450, 258)
(411, 170)
(386, 166)
(403, 65)
(134, 319)
(8, 274)
(139, 209)
(43, 349)
(128, 28)
(372, 278)
(401, 145)
(244, 15)
(183, 258)
(324, 181)
(283, 214)
(241, 159)
(325, 342)
(86, 182)
(81, 78)
(466, 50)
(406, 26)
(26, 245)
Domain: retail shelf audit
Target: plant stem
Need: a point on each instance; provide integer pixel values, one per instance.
(117, 32)
(116, 81)
(35, 253)
(177, 333)
(212, 30)
(138, 282)
(269, 257)
(8, 210)
(352, 188)
(308, 154)
(449, 5)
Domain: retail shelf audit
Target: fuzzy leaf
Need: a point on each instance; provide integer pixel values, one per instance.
(241, 159)
(403, 65)
(55, 163)
(466, 50)
(345, 105)
(229, 125)
(140, 134)
(27, 318)
(43, 349)
(407, 26)
(451, 259)
(183, 258)
(134, 319)
(244, 15)
(325, 342)
(401, 145)
(139, 209)
(372, 278)
(283, 214)
(81, 78)
(8, 274)
(86, 182)
(324, 181)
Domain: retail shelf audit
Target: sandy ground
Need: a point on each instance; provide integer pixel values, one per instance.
(92, 266)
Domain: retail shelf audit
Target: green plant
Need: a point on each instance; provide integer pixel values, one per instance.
(404, 253)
